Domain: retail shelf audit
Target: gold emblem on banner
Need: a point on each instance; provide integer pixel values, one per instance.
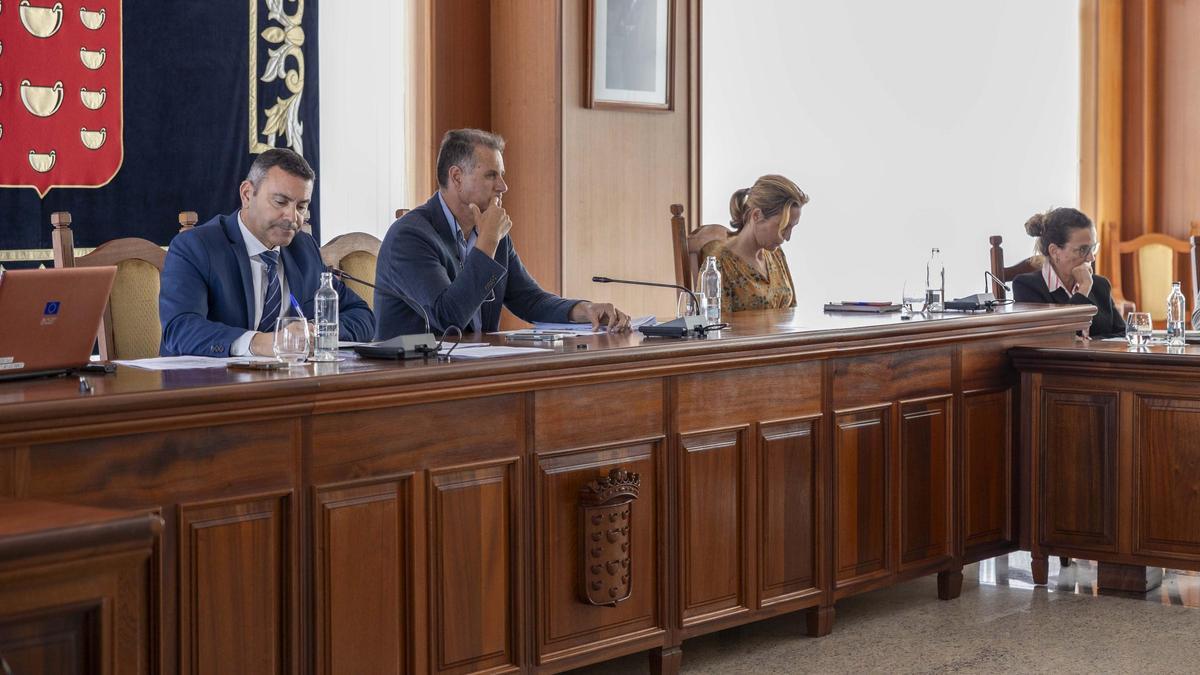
(42, 101)
(42, 22)
(287, 38)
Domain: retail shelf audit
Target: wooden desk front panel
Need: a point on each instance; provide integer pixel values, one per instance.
(228, 558)
(1116, 450)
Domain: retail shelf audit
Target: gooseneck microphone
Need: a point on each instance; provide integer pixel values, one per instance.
(987, 274)
(676, 328)
(401, 346)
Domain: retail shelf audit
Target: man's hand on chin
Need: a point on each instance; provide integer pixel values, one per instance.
(600, 314)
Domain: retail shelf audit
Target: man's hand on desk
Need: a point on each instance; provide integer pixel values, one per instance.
(490, 226)
(600, 314)
(263, 344)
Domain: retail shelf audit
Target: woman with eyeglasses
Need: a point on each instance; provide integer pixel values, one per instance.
(754, 273)
(1066, 248)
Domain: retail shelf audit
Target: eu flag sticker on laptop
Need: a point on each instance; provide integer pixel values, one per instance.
(50, 315)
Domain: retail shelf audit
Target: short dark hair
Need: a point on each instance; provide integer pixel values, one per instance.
(458, 149)
(288, 160)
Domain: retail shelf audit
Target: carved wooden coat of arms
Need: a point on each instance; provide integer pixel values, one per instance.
(605, 518)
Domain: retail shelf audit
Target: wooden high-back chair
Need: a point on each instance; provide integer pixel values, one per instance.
(687, 244)
(356, 253)
(1005, 274)
(1156, 260)
(400, 213)
(130, 328)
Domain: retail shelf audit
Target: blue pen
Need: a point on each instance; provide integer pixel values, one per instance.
(296, 305)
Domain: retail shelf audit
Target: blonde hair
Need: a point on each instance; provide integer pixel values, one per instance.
(773, 194)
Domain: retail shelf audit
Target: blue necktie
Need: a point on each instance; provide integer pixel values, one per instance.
(271, 301)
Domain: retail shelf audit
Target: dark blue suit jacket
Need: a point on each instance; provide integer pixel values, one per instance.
(205, 301)
(421, 259)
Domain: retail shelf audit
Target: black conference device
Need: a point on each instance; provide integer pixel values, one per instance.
(676, 328)
(401, 347)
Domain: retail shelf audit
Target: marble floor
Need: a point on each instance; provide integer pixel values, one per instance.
(1001, 623)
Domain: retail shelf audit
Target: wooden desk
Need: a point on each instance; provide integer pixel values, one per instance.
(433, 517)
(1113, 464)
(74, 588)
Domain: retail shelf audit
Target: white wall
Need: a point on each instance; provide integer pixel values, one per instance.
(911, 124)
(364, 75)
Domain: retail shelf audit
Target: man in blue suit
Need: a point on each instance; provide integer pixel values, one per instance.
(225, 282)
(453, 256)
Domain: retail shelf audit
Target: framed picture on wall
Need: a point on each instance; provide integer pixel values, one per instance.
(630, 57)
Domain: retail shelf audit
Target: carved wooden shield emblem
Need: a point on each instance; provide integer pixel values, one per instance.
(61, 117)
(605, 518)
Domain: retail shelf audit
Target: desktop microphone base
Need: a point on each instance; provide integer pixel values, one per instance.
(677, 328)
(417, 346)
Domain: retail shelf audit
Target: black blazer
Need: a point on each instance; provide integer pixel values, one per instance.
(1031, 287)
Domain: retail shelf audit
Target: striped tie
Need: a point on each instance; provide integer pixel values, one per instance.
(270, 259)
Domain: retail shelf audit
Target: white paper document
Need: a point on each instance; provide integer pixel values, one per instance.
(586, 328)
(175, 363)
(494, 352)
(447, 346)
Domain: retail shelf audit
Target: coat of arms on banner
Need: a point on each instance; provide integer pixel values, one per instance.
(61, 102)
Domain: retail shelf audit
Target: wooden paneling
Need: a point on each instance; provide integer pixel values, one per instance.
(460, 72)
(887, 377)
(527, 109)
(616, 221)
(1180, 129)
(236, 604)
(474, 542)
(65, 643)
(394, 440)
(987, 470)
(788, 509)
(566, 625)
(361, 568)
(604, 413)
(734, 397)
(925, 487)
(713, 537)
(862, 484)
(1166, 467)
(1078, 470)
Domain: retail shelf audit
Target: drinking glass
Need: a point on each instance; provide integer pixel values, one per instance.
(291, 339)
(912, 293)
(685, 306)
(1138, 329)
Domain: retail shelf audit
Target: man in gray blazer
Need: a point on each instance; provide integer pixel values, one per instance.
(453, 255)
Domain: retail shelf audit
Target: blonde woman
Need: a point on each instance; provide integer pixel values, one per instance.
(754, 273)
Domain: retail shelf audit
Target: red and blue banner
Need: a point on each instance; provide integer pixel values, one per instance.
(126, 112)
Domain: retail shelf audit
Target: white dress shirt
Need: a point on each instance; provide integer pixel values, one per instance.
(258, 276)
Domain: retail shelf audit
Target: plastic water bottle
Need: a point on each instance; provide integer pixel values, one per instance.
(326, 309)
(1176, 315)
(710, 291)
(935, 282)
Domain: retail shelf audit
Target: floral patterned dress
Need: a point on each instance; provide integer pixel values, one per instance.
(744, 287)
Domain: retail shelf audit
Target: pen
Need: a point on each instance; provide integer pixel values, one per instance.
(296, 305)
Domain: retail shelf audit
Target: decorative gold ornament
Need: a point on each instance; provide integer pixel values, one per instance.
(42, 22)
(42, 101)
(91, 20)
(92, 140)
(282, 118)
(93, 100)
(42, 162)
(92, 60)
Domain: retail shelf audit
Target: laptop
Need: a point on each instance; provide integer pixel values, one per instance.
(49, 318)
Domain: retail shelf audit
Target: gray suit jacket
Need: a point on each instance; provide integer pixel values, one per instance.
(421, 259)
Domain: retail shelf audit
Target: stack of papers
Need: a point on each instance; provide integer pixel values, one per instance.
(586, 328)
(185, 362)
